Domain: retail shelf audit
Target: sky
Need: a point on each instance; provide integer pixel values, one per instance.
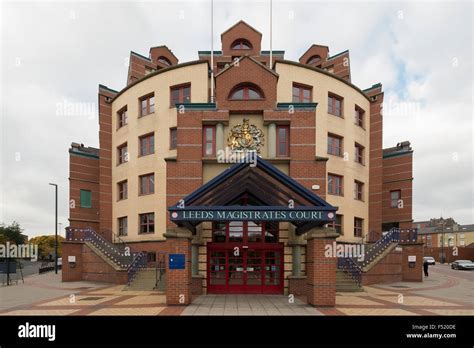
(53, 56)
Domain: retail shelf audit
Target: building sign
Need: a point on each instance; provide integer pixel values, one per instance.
(251, 215)
(176, 261)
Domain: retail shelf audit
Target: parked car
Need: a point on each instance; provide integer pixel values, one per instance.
(430, 260)
(462, 264)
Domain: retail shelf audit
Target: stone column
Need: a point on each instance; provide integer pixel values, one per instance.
(271, 140)
(219, 136)
(178, 281)
(321, 268)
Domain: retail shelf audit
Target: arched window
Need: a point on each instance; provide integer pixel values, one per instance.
(241, 44)
(246, 92)
(164, 60)
(314, 60)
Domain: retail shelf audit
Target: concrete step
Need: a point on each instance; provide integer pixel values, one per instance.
(146, 280)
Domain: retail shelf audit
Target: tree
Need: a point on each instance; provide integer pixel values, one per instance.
(46, 246)
(12, 233)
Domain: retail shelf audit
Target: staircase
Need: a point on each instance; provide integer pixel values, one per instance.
(350, 270)
(122, 257)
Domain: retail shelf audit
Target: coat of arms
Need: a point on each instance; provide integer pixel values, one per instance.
(245, 136)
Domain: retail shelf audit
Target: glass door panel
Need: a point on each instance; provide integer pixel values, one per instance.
(272, 267)
(254, 267)
(235, 269)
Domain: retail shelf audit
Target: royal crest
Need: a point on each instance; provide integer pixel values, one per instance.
(245, 136)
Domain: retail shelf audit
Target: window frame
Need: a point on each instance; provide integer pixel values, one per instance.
(335, 225)
(287, 143)
(122, 190)
(331, 137)
(358, 194)
(359, 117)
(120, 226)
(180, 88)
(149, 106)
(358, 230)
(205, 141)
(332, 105)
(301, 88)
(82, 199)
(163, 60)
(240, 42)
(175, 131)
(359, 153)
(245, 94)
(122, 158)
(122, 117)
(150, 150)
(147, 223)
(149, 185)
(399, 198)
(333, 186)
(312, 60)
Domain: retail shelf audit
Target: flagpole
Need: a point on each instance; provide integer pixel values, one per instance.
(271, 25)
(212, 51)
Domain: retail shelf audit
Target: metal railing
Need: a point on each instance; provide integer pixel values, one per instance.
(120, 253)
(354, 267)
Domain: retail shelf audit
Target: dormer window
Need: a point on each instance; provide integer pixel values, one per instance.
(164, 60)
(241, 44)
(314, 60)
(246, 92)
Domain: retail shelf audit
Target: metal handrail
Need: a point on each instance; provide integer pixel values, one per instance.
(355, 267)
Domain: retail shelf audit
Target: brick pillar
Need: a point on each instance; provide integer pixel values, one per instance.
(414, 274)
(320, 269)
(179, 281)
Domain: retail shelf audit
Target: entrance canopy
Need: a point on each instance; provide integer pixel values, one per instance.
(253, 193)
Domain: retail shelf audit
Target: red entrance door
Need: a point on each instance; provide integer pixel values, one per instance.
(247, 260)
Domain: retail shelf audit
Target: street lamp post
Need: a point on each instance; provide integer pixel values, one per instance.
(56, 229)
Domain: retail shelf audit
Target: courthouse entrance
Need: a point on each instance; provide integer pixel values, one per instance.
(245, 257)
(246, 206)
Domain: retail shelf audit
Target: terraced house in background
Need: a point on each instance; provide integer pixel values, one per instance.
(156, 183)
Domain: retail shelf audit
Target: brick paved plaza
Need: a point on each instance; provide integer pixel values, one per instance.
(445, 292)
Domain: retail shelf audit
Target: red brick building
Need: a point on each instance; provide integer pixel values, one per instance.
(163, 144)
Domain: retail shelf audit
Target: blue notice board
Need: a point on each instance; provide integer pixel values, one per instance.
(176, 261)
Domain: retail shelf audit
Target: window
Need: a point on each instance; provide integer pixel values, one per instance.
(180, 94)
(123, 226)
(122, 190)
(359, 116)
(314, 60)
(301, 93)
(209, 140)
(151, 256)
(147, 144)
(147, 184)
(358, 225)
(283, 141)
(246, 92)
(147, 104)
(241, 44)
(335, 184)
(86, 199)
(337, 224)
(122, 117)
(173, 138)
(334, 145)
(359, 153)
(122, 155)
(358, 190)
(335, 105)
(395, 196)
(147, 223)
(164, 60)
